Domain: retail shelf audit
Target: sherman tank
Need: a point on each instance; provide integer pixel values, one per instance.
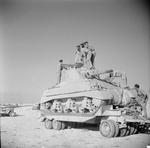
(85, 95)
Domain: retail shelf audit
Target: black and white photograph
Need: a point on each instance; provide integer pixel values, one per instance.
(74, 74)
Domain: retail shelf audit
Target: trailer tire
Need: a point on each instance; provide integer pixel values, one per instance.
(122, 131)
(63, 125)
(135, 129)
(132, 128)
(107, 128)
(57, 125)
(116, 128)
(69, 125)
(48, 124)
(127, 131)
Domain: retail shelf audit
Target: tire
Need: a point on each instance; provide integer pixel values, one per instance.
(122, 131)
(107, 128)
(69, 125)
(132, 128)
(141, 129)
(63, 125)
(73, 125)
(48, 124)
(116, 129)
(57, 125)
(12, 114)
(135, 129)
(127, 131)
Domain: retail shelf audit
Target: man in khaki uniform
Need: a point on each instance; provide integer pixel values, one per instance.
(85, 50)
(89, 54)
(78, 55)
(141, 98)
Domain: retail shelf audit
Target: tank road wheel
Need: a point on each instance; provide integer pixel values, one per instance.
(107, 128)
(57, 125)
(48, 124)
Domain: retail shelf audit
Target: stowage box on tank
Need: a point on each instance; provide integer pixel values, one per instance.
(85, 95)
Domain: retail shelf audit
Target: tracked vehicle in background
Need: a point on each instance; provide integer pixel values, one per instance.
(85, 95)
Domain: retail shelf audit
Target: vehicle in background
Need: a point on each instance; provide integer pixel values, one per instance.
(6, 110)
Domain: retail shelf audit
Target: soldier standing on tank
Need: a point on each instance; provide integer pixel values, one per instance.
(79, 56)
(84, 50)
(141, 98)
(88, 54)
(91, 56)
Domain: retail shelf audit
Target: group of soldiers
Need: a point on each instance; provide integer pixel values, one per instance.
(85, 55)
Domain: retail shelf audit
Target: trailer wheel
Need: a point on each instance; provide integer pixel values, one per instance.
(135, 129)
(141, 129)
(69, 125)
(127, 131)
(73, 125)
(63, 125)
(48, 124)
(116, 128)
(122, 131)
(131, 130)
(107, 128)
(57, 125)
(147, 127)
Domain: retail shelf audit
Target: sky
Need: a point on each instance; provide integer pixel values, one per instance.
(35, 35)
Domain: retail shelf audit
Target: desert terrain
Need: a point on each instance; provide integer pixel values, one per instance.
(25, 131)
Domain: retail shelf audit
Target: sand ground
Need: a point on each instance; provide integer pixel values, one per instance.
(25, 131)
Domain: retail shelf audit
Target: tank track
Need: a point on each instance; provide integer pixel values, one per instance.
(72, 106)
